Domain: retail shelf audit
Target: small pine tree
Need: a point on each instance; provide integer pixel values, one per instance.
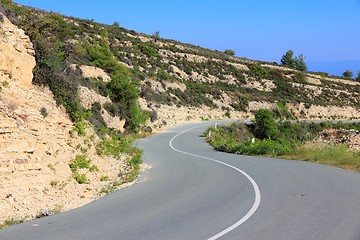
(288, 59)
(300, 63)
(358, 77)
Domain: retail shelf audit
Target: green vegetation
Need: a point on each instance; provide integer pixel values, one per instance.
(104, 178)
(117, 145)
(338, 156)
(282, 112)
(290, 61)
(265, 126)
(348, 74)
(286, 139)
(109, 188)
(10, 222)
(81, 162)
(358, 77)
(80, 178)
(54, 183)
(5, 84)
(229, 52)
(44, 112)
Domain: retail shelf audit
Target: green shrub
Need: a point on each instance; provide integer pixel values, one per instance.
(80, 178)
(115, 145)
(281, 111)
(229, 52)
(125, 91)
(136, 160)
(80, 128)
(300, 77)
(265, 125)
(44, 112)
(148, 49)
(162, 74)
(265, 147)
(104, 178)
(5, 84)
(10, 222)
(80, 162)
(96, 118)
(258, 71)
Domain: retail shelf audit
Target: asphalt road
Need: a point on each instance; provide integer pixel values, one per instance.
(194, 192)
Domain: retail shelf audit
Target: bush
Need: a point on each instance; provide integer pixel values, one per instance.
(282, 112)
(80, 128)
(348, 74)
(80, 178)
(115, 145)
(265, 125)
(44, 112)
(96, 118)
(153, 116)
(148, 49)
(80, 162)
(229, 52)
(162, 74)
(265, 147)
(258, 71)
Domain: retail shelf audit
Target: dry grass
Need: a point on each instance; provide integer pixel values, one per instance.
(332, 155)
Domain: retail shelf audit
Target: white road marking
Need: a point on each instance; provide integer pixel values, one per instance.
(252, 181)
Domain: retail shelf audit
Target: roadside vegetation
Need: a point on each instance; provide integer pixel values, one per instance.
(285, 139)
(118, 146)
(10, 222)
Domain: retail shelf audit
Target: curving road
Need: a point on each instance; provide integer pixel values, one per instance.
(194, 192)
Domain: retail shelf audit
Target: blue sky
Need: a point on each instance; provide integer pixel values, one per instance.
(325, 31)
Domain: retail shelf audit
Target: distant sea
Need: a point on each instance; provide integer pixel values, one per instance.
(335, 68)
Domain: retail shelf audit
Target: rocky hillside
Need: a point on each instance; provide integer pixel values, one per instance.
(38, 143)
(70, 88)
(172, 82)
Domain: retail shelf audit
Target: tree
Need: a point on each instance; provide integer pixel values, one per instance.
(348, 74)
(265, 125)
(300, 63)
(229, 52)
(288, 59)
(156, 35)
(116, 24)
(358, 77)
(294, 62)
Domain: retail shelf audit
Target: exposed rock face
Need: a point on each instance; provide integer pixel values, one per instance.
(323, 112)
(89, 97)
(175, 70)
(16, 53)
(94, 72)
(340, 136)
(36, 145)
(115, 123)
